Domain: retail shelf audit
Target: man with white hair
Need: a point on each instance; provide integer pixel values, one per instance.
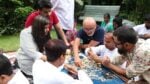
(90, 35)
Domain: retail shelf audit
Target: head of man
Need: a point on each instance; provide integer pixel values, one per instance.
(89, 26)
(147, 21)
(6, 70)
(55, 52)
(40, 31)
(125, 39)
(44, 7)
(106, 17)
(117, 22)
(109, 42)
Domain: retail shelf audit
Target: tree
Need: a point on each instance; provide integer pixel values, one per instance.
(136, 9)
(12, 15)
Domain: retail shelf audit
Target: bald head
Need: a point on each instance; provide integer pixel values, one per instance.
(89, 22)
(89, 26)
(109, 42)
(109, 36)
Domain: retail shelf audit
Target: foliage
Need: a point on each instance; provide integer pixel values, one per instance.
(136, 9)
(12, 16)
(14, 12)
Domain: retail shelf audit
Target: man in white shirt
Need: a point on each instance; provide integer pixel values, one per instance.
(101, 51)
(143, 30)
(49, 72)
(107, 51)
(64, 9)
(7, 76)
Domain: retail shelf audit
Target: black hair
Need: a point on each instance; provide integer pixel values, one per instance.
(5, 66)
(118, 21)
(126, 35)
(54, 49)
(44, 4)
(38, 31)
(107, 15)
(147, 17)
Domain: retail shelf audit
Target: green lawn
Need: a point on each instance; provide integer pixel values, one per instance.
(11, 42)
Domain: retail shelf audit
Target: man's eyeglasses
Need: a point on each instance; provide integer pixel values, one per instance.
(89, 30)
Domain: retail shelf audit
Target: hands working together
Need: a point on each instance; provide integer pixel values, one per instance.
(105, 60)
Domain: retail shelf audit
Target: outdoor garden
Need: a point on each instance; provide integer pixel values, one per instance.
(13, 14)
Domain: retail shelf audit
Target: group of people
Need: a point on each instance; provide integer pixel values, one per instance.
(41, 59)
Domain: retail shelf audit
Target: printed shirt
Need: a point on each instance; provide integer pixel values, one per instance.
(139, 60)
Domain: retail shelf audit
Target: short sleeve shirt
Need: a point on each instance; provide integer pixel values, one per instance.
(97, 36)
(141, 29)
(52, 18)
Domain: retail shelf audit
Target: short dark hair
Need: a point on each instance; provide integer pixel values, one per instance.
(54, 49)
(107, 15)
(118, 20)
(5, 66)
(126, 35)
(147, 17)
(44, 4)
(38, 31)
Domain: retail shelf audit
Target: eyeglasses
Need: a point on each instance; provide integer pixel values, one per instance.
(89, 30)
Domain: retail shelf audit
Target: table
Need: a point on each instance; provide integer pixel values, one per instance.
(98, 73)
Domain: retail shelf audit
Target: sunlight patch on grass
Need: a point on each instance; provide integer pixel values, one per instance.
(9, 43)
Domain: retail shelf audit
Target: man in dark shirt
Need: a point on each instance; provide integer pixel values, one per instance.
(90, 35)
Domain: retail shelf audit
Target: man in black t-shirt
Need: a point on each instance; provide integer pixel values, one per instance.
(90, 35)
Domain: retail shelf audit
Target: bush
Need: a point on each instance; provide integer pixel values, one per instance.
(135, 10)
(12, 16)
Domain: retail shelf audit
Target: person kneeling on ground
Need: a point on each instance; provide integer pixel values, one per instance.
(49, 72)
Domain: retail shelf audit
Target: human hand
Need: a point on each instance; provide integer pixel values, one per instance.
(71, 69)
(106, 61)
(91, 54)
(44, 58)
(146, 36)
(68, 44)
(78, 62)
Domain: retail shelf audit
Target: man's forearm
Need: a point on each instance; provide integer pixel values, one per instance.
(97, 58)
(62, 34)
(117, 69)
(76, 47)
(75, 51)
(84, 46)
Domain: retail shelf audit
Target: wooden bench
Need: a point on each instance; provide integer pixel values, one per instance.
(97, 11)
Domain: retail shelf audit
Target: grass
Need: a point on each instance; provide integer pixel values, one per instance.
(11, 42)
